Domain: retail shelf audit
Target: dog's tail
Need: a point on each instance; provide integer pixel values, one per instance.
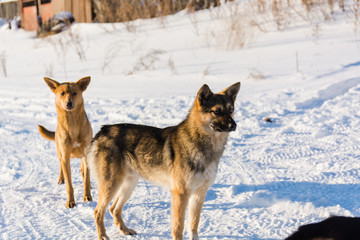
(46, 133)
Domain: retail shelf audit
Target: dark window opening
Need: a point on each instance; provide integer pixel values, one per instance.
(45, 1)
(28, 3)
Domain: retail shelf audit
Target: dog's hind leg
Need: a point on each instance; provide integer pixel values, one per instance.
(126, 188)
(61, 176)
(107, 190)
(195, 205)
(86, 179)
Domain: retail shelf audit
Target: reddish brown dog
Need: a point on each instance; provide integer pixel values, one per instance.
(73, 132)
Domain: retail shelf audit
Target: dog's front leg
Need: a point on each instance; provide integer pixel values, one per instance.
(64, 157)
(65, 165)
(195, 205)
(179, 202)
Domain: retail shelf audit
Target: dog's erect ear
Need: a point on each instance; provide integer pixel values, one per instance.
(51, 83)
(83, 83)
(232, 91)
(204, 94)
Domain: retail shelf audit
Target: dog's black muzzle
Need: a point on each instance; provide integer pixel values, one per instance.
(229, 126)
(232, 125)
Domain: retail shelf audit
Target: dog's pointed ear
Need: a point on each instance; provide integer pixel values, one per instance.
(51, 83)
(232, 91)
(204, 94)
(83, 83)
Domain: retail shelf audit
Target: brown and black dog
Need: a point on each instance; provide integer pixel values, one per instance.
(73, 132)
(332, 228)
(183, 158)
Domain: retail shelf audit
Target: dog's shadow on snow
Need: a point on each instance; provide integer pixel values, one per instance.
(319, 194)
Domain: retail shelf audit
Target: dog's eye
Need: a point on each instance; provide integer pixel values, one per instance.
(217, 112)
(74, 93)
(62, 93)
(231, 110)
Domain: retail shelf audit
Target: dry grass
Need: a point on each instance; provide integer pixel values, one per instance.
(76, 42)
(147, 62)
(196, 5)
(237, 31)
(206, 71)
(128, 10)
(256, 74)
(355, 10)
(194, 21)
(285, 13)
(230, 28)
(235, 26)
(65, 41)
(61, 47)
(3, 63)
(172, 66)
(49, 69)
(111, 53)
(240, 23)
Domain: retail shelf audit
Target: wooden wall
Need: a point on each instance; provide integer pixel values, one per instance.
(81, 9)
(10, 9)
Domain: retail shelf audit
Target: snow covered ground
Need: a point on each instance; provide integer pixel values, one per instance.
(273, 177)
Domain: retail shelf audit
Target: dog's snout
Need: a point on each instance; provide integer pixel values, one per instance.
(69, 104)
(232, 125)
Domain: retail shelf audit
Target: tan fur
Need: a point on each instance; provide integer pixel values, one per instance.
(183, 158)
(73, 133)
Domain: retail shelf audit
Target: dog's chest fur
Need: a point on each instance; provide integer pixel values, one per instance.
(73, 124)
(205, 161)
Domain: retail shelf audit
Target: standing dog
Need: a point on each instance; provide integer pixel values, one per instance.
(73, 132)
(183, 158)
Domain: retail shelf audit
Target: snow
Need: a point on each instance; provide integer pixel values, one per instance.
(273, 177)
(4, 1)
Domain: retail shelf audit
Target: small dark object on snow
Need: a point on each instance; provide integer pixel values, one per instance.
(268, 120)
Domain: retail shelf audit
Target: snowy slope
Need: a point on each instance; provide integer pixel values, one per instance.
(273, 177)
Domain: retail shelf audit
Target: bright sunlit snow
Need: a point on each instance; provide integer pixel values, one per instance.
(273, 177)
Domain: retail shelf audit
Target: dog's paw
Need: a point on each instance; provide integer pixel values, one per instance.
(88, 198)
(104, 238)
(194, 236)
(70, 204)
(128, 231)
(61, 181)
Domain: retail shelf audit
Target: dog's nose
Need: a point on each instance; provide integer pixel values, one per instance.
(232, 125)
(69, 104)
